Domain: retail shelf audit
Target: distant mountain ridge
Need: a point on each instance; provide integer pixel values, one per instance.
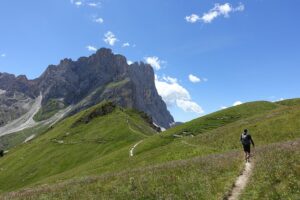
(86, 82)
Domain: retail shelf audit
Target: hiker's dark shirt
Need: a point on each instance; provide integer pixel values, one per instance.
(247, 140)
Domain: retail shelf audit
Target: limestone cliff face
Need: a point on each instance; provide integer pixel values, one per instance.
(10, 83)
(146, 97)
(73, 80)
(16, 96)
(90, 80)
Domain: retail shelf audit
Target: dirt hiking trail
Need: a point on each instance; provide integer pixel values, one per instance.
(134, 146)
(241, 182)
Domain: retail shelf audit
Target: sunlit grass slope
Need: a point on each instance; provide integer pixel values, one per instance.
(223, 117)
(207, 177)
(276, 174)
(11, 140)
(197, 160)
(271, 123)
(73, 142)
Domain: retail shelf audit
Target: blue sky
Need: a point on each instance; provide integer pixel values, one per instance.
(240, 50)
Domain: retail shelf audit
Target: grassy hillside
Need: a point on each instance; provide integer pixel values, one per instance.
(12, 140)
(276, 174)
(198, 159)
(210, 177)
(223, 117)
(272, 123)
(70, 144)
(290, 102)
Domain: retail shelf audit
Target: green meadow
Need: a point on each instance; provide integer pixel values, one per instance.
(88, 156)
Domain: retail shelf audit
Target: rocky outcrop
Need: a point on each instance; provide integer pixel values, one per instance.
(13, 105)
(16, 96)
(74, 80)
(146, 97)
(90, 80)
(10, 83)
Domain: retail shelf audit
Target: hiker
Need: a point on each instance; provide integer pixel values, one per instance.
(246, 141)
(1, 153)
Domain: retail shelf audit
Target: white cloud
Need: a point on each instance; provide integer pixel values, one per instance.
(110, 38)
(209, 17)
(176, 95)
(79, 3)
(237, 103)
(217, 11)
(154, 61)
(3, 55)
(91, 48)
(170, 79)
(99, 20)
(189, 106)
(170, 92)
(240, 8)
(194, 79)
(94, 4)
(234, 104)
(129, 62)
(224, 9)
(192, 18)
(126, 44)
(275, 99)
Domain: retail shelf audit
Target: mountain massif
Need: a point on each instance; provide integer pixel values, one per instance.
(82, 84)
(77, 132)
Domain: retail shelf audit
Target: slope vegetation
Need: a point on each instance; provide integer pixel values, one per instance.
(90, 135)
(196, 160)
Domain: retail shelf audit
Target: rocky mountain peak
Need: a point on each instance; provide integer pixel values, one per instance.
(90, 80)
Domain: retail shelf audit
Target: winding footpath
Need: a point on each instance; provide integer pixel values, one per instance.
(134, 146)
(241, 182)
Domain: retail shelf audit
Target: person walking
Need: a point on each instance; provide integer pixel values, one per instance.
(246, 141)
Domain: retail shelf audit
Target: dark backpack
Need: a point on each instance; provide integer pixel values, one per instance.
(246, 139)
